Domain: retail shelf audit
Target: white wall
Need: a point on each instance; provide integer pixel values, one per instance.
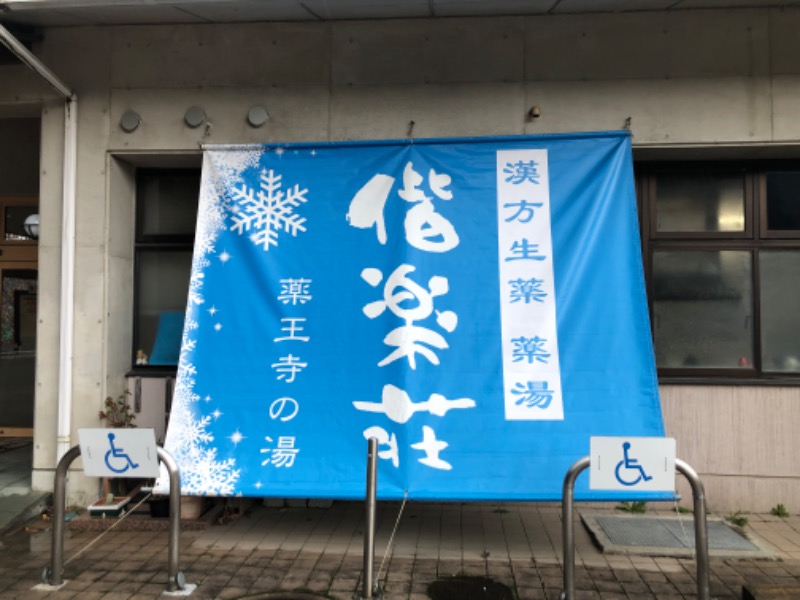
(686, 79)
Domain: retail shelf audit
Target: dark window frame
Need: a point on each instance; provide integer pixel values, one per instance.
(152, 243)
(755, 238)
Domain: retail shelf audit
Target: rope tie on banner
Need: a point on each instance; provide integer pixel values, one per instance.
(391, 539)
(122, 517)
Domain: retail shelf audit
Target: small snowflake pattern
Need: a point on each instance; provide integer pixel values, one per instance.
(266, 212)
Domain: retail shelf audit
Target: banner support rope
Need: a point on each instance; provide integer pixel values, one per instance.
(122, 517)
(391, 539)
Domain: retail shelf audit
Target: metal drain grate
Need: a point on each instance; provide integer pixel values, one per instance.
(670, 533)
(469, 588)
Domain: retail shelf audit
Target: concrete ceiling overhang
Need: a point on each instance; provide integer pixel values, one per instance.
(66, 13)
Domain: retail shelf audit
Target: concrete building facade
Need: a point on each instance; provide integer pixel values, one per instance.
(710, 84)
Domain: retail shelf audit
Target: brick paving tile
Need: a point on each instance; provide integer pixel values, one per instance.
(628, 574)
(531, 581)
(152, 590)
(116, 575)
(685, 587)
(587, 595)
(344, 585)
(662, 589)
(609, 586)
(141, 576)
(290, 583)
(91, 595)
(126, 586)
(243, 582)
(232, 592)
(635, 587)
(553, 593)
(420, 587)
(247, 571)
(235, 570)
(103, 586)
(655, 577)
(601, 574)
(216, 580)
(552, 581)
(534, 593)
(318, 584)
(77, 585)
(117, 595)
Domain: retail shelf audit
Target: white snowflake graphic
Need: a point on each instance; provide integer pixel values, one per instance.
(267, 211)
(188, 437)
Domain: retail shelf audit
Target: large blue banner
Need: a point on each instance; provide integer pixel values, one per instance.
(476, 305)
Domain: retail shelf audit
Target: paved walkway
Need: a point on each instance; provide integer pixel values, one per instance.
(317, 553)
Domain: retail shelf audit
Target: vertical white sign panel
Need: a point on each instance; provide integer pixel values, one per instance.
(531, 371)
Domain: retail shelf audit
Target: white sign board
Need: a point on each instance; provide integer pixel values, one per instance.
(119, 452)
(640, 464)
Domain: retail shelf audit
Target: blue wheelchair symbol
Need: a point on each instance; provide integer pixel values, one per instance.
(633, 471)
(118, 453)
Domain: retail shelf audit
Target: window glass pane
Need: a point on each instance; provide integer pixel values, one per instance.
(783, 201)
(168, 203)
(697, 203)
(15, 222)
(162, 291)
(702, 309)
(780, 318)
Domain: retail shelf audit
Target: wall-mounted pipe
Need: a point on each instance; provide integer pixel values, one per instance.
(64, 440)
(67, 235)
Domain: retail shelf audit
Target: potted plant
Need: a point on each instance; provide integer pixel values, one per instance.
(117, 414)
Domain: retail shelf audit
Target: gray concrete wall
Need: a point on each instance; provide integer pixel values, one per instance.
(707, 79)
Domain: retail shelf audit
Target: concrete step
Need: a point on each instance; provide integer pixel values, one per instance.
(15, 509)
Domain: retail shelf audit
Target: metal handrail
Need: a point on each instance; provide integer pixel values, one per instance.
(53, 574)
(700, 527)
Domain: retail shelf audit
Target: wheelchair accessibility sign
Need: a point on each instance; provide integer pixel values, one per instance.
(119, 452)
(632, 464)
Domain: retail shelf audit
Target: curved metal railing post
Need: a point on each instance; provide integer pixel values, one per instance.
(369, 529)
(54, 576)
(567, 526)
(175, 578)
(700, 527)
